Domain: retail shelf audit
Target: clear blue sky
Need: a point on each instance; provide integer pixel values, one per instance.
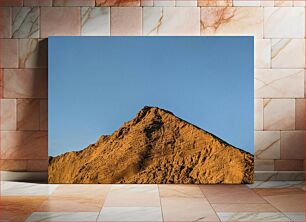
(98, 83)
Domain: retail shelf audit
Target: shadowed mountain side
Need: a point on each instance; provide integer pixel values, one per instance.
(155, 147)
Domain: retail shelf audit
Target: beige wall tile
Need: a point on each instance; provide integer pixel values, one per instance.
(4, 3)
(288, 53)
(300, 114)
(25, 83)
(267, 145)
(43, 114)
(266, 3)
(5, 22)
(95, 21)
(186, 3)
(8, 114)
(37, 165)
(305, 82)
(283, 3)
(51, 17)
(171, 21)
(37, 2)
(163, 3)
(24, 145)
(246, 3)
(33, 53)
(73, 2)
(299, 3)
(8, 53)
(279, 83)
(126, 21)
(263, 165)
(13, 165)
(279, 114)
(146, 3)
(212, 3)
(232, 21)
(292, 144)
(258, 114)
(289, 165)
(25, 22)
(117, 2)
(262, 53)
(278, 22)
(1, 83)
(28, 114)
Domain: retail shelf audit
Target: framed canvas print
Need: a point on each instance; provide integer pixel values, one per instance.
(151, 110)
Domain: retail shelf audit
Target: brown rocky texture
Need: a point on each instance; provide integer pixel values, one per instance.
(155, 147)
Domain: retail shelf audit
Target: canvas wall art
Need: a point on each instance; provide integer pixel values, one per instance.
(151, 110)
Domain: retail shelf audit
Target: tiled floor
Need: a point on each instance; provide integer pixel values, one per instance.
(261, 201)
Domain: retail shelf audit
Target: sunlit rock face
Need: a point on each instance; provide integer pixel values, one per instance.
(155, 147)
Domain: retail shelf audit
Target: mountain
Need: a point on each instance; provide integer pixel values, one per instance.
(155, 147)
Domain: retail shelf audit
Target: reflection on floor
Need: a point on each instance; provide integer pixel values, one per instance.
(262, 201)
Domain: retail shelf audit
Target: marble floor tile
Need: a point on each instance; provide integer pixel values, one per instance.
(187, 209)
(251, 216)
(9, 188)
(92, 191)
(133, 196)
(286, 199)
(63, 216)
(183, 191)
(263, 207)
(71, 204)
(295, 216)
(18, 208)
(230, 194)
(130, 214)
(277, 184)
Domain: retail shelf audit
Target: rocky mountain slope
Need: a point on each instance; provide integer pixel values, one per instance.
(155, 147)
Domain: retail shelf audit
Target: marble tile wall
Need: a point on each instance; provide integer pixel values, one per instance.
(278, 27)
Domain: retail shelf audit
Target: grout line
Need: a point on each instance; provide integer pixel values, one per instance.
(209, 202)
(104, 201)
(161, 208)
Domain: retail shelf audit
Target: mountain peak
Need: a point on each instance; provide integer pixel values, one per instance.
(155, 147)
(154, 108)
(152, 112)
